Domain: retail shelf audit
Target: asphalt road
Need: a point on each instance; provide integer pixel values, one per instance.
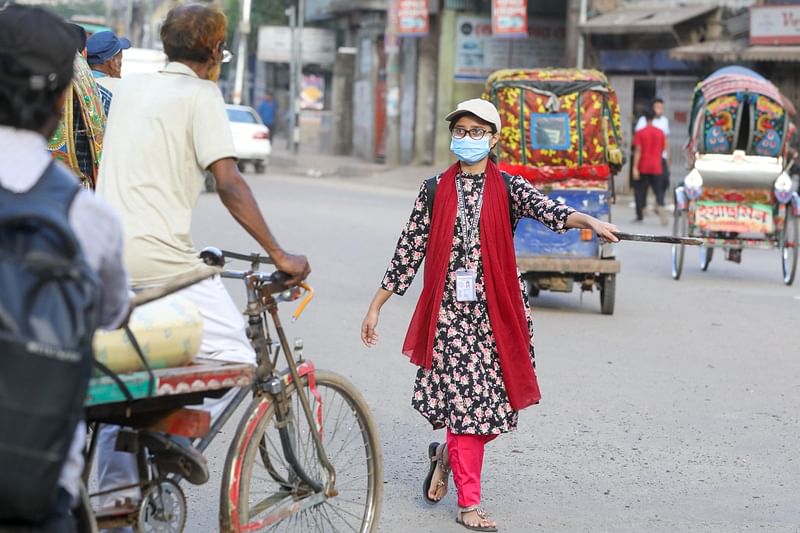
(677, 413)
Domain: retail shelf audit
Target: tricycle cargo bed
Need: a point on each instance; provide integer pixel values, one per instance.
(577, 265)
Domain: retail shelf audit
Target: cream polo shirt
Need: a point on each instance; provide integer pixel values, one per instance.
(165, 129)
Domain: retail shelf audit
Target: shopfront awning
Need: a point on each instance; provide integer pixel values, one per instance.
(724, 51)
(771, 53)
(733, 51)
(638, 20)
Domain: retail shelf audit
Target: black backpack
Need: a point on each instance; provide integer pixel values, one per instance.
(432, 183)
(49, 308)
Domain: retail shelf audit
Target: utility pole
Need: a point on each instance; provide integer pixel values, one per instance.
(392, 49)
(301, 16)
(291, 12)
(241, 55)
(581, 52)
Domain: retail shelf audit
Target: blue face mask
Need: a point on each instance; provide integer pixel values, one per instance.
(469, 150)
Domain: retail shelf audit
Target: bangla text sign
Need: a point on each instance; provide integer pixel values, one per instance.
(775, 25)
(722, 216)
(412, 18)
(510, 18)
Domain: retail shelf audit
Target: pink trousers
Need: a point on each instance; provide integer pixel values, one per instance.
(465, 454)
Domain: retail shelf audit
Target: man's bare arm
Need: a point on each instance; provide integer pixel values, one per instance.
(238, 199)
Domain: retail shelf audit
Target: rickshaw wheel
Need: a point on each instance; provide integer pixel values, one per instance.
(162, 509)
(788, 246)
(608, 289)
(706, 254)
(680, 228)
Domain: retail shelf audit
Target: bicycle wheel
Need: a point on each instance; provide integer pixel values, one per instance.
(262, 492)
(680, 228)
(789, 246)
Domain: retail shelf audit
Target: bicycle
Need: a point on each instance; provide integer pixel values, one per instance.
(305, 455)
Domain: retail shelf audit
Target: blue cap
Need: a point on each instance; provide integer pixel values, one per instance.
(104, 45)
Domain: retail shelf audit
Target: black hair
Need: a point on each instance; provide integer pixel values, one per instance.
(21, 106)
(649, 114)
(658, 100)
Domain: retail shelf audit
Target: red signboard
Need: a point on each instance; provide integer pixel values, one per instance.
(775, 25)
(510, 18)
(412, 17)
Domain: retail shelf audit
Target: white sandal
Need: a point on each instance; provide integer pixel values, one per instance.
(483, 515)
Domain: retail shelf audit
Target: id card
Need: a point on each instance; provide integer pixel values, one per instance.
(465, 285)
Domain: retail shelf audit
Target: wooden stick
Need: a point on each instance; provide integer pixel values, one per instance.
(175, 284)
(669, 239)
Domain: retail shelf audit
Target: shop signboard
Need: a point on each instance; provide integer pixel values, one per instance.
(774, 25)
(275, 45)
(510, 18)
(479, 52)
(412, 18)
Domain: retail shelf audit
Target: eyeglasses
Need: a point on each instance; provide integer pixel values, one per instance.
(227, 55)
(475, 133)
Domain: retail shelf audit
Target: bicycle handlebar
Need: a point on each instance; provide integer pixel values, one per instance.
(216, 257)
(252, 258)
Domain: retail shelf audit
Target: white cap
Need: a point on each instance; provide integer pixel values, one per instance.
(483, 109)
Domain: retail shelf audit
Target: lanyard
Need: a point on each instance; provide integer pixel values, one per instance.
(469, 232)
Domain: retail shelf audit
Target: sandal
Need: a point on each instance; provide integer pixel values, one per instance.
(483, 515)
(435, 460)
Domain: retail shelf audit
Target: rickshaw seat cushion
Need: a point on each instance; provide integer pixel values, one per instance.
(169, 331)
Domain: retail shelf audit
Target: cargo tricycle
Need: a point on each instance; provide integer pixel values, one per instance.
(561, 131)
(305, 453)
(738, 193)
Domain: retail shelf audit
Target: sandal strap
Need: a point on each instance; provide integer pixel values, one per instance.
(445, 468)
(469, 509)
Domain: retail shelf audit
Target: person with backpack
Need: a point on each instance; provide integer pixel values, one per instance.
(61, 277)
(471, 333)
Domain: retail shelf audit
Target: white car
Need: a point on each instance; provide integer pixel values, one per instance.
(250, 137)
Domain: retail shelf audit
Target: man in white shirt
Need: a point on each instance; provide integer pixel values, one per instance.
(165, 130)
(661, 122)
(36, 65)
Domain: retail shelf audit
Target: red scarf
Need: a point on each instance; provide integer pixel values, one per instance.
(503, 297)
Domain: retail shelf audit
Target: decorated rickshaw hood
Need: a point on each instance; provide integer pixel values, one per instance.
(738, 79)
(557, 124)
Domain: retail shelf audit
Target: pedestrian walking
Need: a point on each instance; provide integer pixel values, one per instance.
(267, 110)
(661, 122)
(471, 333)
(648, 147)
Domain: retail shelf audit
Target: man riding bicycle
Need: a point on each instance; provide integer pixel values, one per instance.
(166, 130)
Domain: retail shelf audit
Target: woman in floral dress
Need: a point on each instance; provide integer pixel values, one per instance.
(471, 333)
